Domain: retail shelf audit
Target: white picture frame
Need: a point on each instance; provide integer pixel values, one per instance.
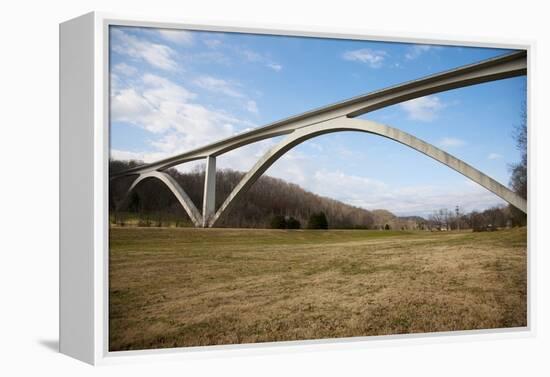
(84, 155)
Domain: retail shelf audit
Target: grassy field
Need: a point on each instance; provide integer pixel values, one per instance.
(173, 287)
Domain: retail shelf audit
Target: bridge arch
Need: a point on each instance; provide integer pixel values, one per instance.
(348, 124)
(175, 188)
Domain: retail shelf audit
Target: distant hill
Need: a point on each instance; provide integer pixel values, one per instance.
(267, 198)
(383, 217)
(418, 219)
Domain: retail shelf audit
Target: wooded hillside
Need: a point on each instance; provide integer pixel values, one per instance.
(268, 197)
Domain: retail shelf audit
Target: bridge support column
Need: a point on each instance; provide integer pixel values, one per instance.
(209, 197)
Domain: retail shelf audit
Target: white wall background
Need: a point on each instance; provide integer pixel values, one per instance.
(29, 183)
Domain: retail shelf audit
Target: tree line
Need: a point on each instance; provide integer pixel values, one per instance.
(493, 218)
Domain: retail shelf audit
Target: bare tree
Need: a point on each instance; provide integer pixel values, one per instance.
(518, 179)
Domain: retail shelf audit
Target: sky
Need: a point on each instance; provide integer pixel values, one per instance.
(175, 90)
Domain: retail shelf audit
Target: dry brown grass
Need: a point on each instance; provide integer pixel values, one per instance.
(189, 287)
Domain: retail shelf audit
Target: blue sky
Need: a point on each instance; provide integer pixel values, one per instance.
(172, 91)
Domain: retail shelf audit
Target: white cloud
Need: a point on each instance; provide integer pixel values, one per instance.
(256, 57)
(423, 109)
(227, 88)
(146, 157)
(216, 85)
(128, 105)
(212, 43)
(494, 156)
(159, 89)
(252, 107)
(374, 58)
(408, 200)
(251, 56)
(170, 110)
(274, 66)
(157, 55)
(177, 36)
(313, 145)
(351, 188)
(451, 142)
(178, 122)
(416, 50)
(125, 69)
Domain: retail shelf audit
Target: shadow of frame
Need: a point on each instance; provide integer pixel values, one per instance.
(51, 344)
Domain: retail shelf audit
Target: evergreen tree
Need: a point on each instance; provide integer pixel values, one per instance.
(278, 222)
(293, 223)
(318, 221)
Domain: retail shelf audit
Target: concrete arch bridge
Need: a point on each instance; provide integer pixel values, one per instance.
(334, 118)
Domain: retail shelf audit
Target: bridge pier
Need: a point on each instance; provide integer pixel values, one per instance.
(209, 197)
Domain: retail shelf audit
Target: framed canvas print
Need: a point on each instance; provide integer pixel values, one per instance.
(232, 188)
